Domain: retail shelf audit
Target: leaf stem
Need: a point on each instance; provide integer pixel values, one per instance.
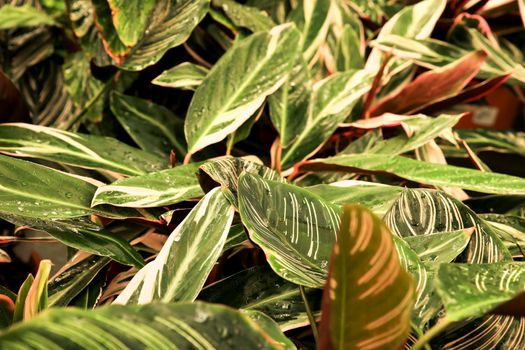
(430, 334)
(310, 314)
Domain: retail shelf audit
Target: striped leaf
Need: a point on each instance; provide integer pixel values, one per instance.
(422, 172)
(35, 191)
(36, 299)
(311, 18)
(471, 290)
(185, 76)
(153, 127)
(130, 19)
(82, 150)
(295, 228)
(153, 326)
(331, 102)
(368, 296)
(155, 189)
(426, 212)
(259, 288)
(170, 25)
(238, 84)
(442, 247)
(243, 16)
(182, 266)
(492, 140)
(23, 16)
(375, 196)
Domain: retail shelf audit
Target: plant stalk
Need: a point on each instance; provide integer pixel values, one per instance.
(431, 334)
(310, 314)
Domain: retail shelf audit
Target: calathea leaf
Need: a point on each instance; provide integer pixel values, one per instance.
(82, 150)
(130, 19)
(185, 76)
(155, 189)
(259, 288)
(154, 326)
(182, 266)
(442, 247)
(295, 228)
(332, 100)
(422, 172)
(245, 16)
(23, 16)
(365, 283)
(238, 84)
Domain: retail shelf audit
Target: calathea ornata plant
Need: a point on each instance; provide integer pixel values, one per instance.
(259, 175)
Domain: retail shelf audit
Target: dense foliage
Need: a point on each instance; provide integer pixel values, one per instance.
(260, 174)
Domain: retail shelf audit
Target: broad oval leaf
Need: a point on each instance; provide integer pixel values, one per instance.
(238, 84)
(23, 16)
(82, 150)
(155, 189)
(184, 262)
(422, 172)
(153, 127)
(369, 296)
(295, 228)
(153, 326)
(130, 19)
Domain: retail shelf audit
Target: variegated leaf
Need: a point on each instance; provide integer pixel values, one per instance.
(244, 16)
(130, 19)
(23, 16)
(82, 150)
(182, 266)
(295, 228)
(238, 84)
(185, 76)
(331, 102)
(155, 189)
(153, 127)
(422, 172)
(154, 326)
(368, 296)
(442, 247)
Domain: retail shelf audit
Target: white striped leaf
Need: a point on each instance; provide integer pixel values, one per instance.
(422, 172)
(441, 247)
(185, 76)
(238, 84)
(82, 150)
(184, 262)
(259, 288)
(492, 140)
(311, 18)
(331, 102)
(154, 128)
(375, 196)
(153, 326)
(244, 16)
(426, 212)
(155, 189)
(471, 290)
(295, 228)
(368, 296)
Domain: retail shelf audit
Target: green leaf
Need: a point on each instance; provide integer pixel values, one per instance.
(35, 191)
(332, 100)
(259, 288)
(170, 25)
(311, 18)
(295, 228)
(82, 150)
(243, 16)
(130, 19)
(375, 196)
(182, 266)
(422, 172)
(74, 277)
(154, 326)
(441, 247)
(470, 290)
(238, 84)
(23, 16)
(426, 212)
(18, 314)
(155, 189)
(492, 140)
(369, 296)
(185, 76)
(36, 298)
(153, 127)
